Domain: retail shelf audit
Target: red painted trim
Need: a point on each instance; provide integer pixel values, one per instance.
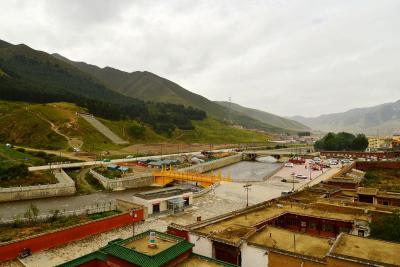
(62, 236)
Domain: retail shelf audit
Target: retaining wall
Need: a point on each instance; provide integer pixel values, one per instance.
(124, 183)
(10, 250)
(64, 187)
(212, 165)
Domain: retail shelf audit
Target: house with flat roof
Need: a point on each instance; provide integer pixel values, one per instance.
(169, 199)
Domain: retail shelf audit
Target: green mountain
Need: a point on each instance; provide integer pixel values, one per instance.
(382, 119)
(35, 76)
(266, 117)
(150, 87)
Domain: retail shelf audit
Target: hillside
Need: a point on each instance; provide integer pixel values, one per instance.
(266, 117)
(30, 125)
(35, 76)
(150, 87)
(383, 119)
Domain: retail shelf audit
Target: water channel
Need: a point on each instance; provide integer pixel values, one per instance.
(254, 171)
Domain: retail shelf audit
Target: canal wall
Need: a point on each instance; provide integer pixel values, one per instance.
(212, 165)
(133, 181)
(146, 179)
(64, 187)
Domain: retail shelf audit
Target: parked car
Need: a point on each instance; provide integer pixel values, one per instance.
(286, 193)
(24, 253)
(129, 157)
(289, 164)
(301, 176)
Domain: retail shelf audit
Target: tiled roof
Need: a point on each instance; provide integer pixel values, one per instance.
(97, 255)
(117, 249)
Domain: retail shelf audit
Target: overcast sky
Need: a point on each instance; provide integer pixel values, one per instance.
(286, 57)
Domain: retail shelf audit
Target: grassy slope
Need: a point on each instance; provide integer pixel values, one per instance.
(20, 124)
(150, 87)
(266, 117)
(213, 131)
(21, 127)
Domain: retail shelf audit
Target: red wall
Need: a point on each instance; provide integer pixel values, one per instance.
(367, 165)
(44, 241)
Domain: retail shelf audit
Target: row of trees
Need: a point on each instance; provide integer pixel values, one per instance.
(342, 141)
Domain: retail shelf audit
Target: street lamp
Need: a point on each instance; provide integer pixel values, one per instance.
(247, 188)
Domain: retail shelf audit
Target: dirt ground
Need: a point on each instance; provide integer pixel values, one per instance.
(171, 148)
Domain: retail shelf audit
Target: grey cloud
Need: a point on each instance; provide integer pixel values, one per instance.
(289, 57)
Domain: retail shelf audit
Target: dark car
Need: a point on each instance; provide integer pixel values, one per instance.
(25, 253)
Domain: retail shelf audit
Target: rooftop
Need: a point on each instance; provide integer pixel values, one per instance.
(201, 261)
(163, 242)
(281, 239)
(366, 250)
(134, 250)
(163, 193)
(367, 191)
(232, 227)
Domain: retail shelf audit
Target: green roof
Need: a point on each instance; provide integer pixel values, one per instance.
(97, 255)
(117, 249)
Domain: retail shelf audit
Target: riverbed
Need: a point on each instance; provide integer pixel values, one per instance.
(248, 171)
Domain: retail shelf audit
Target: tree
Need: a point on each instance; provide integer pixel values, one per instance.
(342, 141)
(360, 142)
(386, 227)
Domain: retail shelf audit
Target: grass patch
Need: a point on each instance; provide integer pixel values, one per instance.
(386, 179)
(34, 178)
(212, 131)
(19, 229)
(104, 214)
(94, 183)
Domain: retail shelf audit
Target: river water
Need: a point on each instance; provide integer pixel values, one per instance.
(248, 170)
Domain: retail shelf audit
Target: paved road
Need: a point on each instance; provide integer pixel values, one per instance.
(91, 163)
(103, 129)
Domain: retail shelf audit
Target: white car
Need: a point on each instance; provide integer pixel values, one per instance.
(289, 164)
(301, 176)
(129, 157)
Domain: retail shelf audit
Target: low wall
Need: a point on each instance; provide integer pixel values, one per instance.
(124, 183)
(212, 165)
(367, 165)
(10, 250)
(64, 187)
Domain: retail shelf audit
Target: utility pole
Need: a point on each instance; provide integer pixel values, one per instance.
(230, 106)
(247, 188)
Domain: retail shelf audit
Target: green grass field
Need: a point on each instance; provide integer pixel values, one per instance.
(29, 125)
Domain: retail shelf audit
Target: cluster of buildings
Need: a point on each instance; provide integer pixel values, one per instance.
(377, 143)
(327, 225)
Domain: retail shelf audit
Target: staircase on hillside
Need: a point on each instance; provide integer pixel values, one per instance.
(103, 129)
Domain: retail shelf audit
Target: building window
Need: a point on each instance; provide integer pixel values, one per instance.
(312, 225)
(186, 199)
(386, 203)
(327, 227)
(361, 233)
(156, 208)
(344, 230)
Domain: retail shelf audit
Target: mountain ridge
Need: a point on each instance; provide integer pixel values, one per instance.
(264, 116)
(383, 119)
